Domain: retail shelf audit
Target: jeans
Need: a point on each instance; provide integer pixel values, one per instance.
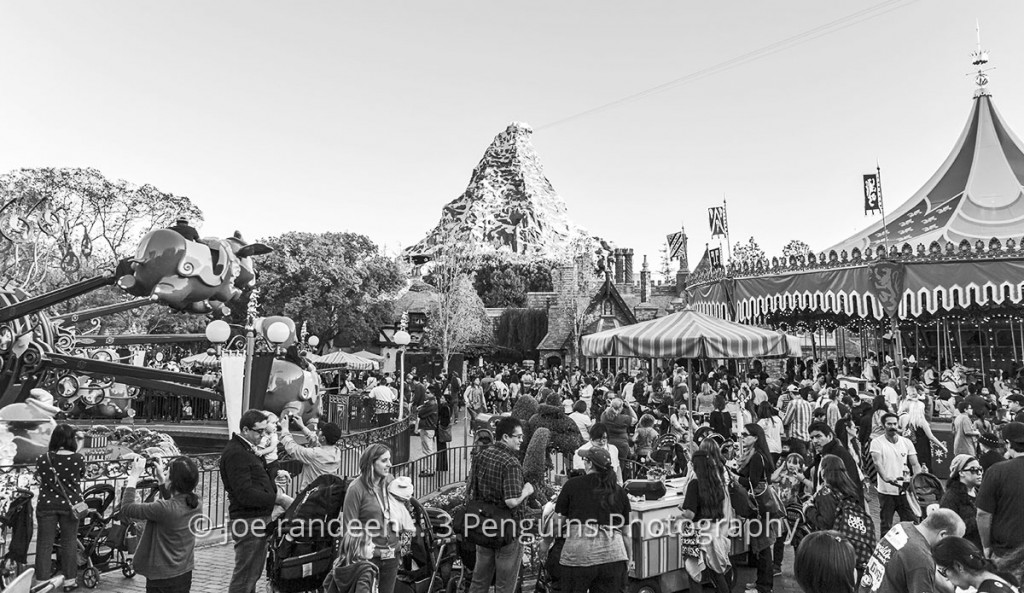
(609, 577)
(48, 522)
(500, 566)
(250, 537)
(179, 584)
(387, 574)
(890, 503)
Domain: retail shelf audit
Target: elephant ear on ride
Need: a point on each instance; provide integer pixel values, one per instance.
(254, 249)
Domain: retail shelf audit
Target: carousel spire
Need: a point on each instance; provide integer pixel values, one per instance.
(979, 58)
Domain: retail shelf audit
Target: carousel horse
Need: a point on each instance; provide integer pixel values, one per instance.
(193, 276)
(953, 382)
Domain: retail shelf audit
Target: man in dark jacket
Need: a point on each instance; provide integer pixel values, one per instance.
(252, 495)
(824, 443)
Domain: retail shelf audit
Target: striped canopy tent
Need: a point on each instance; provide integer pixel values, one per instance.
(204, 359)
(346, 360)
(689, 334)
(370, 356)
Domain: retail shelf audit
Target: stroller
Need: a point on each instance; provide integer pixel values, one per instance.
(15, 534)
(301, 546)
(427, 568)
(923, 491)
(98, 551)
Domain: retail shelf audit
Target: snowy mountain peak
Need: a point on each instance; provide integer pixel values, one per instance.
(509, 205)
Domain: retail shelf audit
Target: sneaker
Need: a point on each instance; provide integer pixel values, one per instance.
(778, 571)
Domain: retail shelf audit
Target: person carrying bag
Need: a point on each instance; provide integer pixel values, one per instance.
(59, 472)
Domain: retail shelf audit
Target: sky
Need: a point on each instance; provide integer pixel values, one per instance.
(370, 116)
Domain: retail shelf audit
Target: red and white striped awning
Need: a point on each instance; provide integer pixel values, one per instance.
(689, 334)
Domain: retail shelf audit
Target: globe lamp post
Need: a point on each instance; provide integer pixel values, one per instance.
(401, 339)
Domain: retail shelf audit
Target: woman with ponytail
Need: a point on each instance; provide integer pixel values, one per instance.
(963, 564)
(165, 555)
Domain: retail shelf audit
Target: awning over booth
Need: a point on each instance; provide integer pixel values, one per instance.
(346, 360)
(689, 334)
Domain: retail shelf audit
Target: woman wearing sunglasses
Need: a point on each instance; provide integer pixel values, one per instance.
(965, 475)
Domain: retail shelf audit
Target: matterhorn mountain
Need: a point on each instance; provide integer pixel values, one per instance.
(508, 207)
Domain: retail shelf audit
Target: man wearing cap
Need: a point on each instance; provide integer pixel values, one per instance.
(785, 397)
(990, 449)
(320, 455)
(1015, 404)
(1001, 498)
(183, 228)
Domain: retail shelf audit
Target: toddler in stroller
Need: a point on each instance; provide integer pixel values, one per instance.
(300, 552)
(427, 566)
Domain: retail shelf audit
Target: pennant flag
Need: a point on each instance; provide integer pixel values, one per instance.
(872, 194)
(715, 257)
(677, 246)
(718, 222)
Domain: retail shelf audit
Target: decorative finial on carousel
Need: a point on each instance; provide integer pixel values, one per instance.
(979, 57)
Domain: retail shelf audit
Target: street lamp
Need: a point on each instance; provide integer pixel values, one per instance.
(401, 339)
(278, 334)
(218, 332)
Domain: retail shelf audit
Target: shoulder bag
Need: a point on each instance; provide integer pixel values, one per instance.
(444, 434)
(769, 501)
(487, 524)
(78, 509)
(743, 503)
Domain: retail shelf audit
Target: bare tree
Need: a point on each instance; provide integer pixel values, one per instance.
(457, 318)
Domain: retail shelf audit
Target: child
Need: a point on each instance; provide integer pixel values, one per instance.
(789, 478)
(353, 572)
(400, 491)
(645, 437)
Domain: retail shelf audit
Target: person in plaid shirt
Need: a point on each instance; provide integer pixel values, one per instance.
(799, 414)
(498, 479)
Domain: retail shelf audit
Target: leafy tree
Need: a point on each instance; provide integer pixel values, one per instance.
(59, 226)
(795, 248)
(522, 330)
(340, 283)
(457, 319)
(749, 253)
(503, 282)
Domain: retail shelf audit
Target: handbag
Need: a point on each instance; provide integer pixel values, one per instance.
(78, 509)
(444, 434)
(743, 503)
(769, 501)
(493, 525)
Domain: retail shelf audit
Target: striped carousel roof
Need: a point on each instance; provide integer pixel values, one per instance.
(689, 334)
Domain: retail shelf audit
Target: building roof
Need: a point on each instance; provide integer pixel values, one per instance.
(977, 193)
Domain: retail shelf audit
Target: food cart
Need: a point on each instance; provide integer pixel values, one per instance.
(657, 546)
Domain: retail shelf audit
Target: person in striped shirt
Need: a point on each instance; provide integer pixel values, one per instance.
(799, 414)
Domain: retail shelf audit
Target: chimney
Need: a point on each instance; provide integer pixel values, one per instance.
(645, 283)
(620, 262)
(627, 275)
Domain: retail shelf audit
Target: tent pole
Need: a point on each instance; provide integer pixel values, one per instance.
(898, 354)
(981, 352)
(693, 397)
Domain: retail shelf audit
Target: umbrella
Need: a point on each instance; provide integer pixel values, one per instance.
(688, 334)
(344, 359)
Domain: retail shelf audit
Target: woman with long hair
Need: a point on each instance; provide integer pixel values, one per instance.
(826, 563)
(916, 427)
(706, 503)
(964, 565)
(965, 476)
(836, 489)
(755, 471)
(166, 552)
(720, 420)
(59, 472)
(368, 506)
(593, 513)
(618, 417)
(705, 399)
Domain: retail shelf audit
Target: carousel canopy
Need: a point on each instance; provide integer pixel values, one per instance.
(689, 334)
(977, 193)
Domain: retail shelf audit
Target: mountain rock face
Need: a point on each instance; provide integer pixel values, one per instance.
(509, 205)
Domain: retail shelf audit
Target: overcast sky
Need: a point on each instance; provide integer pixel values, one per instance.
(370, 116)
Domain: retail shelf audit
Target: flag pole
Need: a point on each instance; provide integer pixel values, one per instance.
(725, 215)
(881, 206)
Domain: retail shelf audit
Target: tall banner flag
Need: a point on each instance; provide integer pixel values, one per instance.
(715, 258)
(677, 246)
(232, 368)
(872, 194)
(717, 220)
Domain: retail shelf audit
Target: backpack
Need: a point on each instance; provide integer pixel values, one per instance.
(856, 527)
